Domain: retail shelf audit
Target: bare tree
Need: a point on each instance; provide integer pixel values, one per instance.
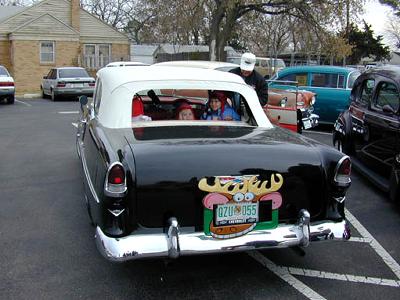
(117, 13)
(214, 22)
(13, 2)
(393, 31)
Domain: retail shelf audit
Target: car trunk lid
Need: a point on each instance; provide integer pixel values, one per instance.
(170, 162)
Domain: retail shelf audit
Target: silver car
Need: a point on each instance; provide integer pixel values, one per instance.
(68, 82)
(7, 88)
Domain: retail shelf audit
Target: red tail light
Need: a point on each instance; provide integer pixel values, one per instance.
(91, 84)
(343, 172)
(6, 83)
(61, 84)
(116, 175)
(115, 184)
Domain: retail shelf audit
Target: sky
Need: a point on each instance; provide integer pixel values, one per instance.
(376, 15)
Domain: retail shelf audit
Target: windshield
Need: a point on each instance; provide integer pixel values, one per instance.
(72, 73)
(279, 63)
(234, 60)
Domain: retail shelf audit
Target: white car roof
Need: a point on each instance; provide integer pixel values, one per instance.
(61, 68)
(115, 77)
(120, 84)
(125, 64)
(204, 64)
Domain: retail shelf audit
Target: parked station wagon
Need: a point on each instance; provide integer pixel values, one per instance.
(160, 186)
(369, 130)
(331, 84)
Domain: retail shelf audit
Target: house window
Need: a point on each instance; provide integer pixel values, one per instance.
(47, 52)
(96, 56)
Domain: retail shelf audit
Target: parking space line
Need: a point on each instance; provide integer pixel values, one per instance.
(19, 101)
(284, 274)
(344, 277)
(68, 112)
(318, 132)
(389, 261)
(360, 240)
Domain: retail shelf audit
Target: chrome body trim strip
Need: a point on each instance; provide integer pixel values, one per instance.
(175, 243)
(86, 171)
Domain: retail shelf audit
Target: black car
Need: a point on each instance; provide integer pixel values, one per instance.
(161, 184)
(369, 130)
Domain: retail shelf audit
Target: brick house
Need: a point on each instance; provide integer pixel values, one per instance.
(54, 33)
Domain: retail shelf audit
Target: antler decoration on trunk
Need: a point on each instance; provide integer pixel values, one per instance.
(230, 187)
(253, 185)
(258, 187)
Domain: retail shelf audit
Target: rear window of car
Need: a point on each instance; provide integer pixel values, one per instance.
(328, 80)
(3, 71)
(72, 73)
(191, 105)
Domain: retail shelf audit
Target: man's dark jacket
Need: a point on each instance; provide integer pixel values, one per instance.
(258, 82)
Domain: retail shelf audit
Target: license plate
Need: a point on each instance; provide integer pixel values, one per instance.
(235, 213)
(306, 124)
(76, 85)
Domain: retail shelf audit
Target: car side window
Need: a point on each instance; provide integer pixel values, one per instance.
(327, 80)
(97, 96)
(366, 90)
(301, 78)
(387, 94)
(340, 84)
(52, 74)
(49, 74)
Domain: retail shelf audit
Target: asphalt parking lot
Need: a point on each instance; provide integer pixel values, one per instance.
(48, 250)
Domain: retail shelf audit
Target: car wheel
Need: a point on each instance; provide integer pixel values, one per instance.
(11, 99)
(53, 96)
(44, 96)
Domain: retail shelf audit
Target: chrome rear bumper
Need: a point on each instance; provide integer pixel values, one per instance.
(174, 244)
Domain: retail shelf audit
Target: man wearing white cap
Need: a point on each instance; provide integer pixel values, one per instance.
(252, 77)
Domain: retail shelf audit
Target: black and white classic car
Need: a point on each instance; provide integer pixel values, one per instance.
(166, 174)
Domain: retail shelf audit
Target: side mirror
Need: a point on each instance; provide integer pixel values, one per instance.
(83, 100)
(388, 109)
